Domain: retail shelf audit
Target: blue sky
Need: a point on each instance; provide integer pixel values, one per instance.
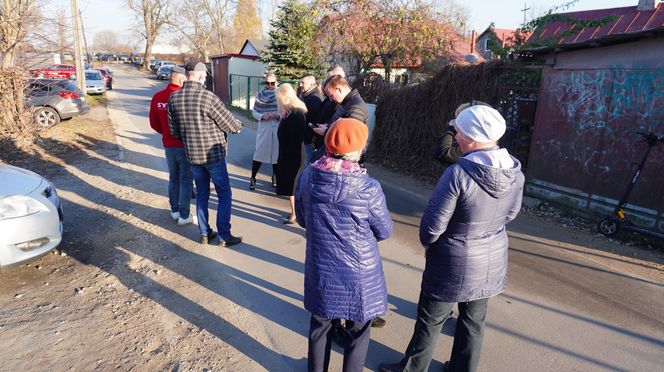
(114, 15)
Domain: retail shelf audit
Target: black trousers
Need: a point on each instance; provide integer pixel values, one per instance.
(468, 336)
(320, 343)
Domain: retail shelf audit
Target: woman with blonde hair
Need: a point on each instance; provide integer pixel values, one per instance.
(291, 136)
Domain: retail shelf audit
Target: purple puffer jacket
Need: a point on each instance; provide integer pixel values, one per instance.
(345, 215)
(464, 228)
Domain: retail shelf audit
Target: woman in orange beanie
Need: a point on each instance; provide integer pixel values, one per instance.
(345, 216)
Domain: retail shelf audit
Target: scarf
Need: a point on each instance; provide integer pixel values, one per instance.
(266, 101)
(331, 164)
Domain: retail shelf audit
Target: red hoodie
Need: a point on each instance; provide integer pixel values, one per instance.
(159, 116)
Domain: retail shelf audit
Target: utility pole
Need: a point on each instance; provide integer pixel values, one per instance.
(78, 49)
(85, 40)
(524, 10)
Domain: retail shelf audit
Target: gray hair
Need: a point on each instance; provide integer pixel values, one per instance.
(353, 156)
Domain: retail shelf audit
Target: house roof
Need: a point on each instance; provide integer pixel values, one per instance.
(233, 55)
(629, 21)
(501, 33)
(458, 53)
(259, 44)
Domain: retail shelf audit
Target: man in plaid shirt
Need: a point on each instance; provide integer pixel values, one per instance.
(198, 118)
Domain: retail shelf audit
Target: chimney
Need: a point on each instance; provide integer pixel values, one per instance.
(472, 42)
(648, 4)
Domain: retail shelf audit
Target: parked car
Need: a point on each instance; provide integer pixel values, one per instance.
(55, 72)
(31, 218)
(108, 77)
(94, 82)
(164, 72)
(154, 64)
(52, 100)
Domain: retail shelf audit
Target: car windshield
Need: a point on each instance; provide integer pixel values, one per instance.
(93, 76)
(67, 84)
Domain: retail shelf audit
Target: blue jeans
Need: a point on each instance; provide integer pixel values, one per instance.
(309, 151)
(179, 180)
(320, 343)
(217, 172)
(468, 336)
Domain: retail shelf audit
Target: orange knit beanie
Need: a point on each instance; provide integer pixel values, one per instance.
(346, 135)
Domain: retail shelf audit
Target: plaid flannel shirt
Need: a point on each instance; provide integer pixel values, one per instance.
(198, 118)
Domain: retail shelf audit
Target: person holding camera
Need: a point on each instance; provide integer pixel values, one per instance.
(447, 150)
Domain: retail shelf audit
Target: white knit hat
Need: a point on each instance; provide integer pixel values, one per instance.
(481, 124)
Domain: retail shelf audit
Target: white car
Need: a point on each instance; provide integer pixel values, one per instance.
(94, 82)
(31, 219)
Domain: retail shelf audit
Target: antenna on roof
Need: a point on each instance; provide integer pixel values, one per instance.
(524, 10)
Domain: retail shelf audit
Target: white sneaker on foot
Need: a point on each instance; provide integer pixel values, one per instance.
(175, 215)
(186, 221)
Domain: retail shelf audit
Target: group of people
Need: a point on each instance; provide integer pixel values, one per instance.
(290, 119)
(344, 211)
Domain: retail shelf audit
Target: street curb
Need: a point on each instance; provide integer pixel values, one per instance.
(112, 116)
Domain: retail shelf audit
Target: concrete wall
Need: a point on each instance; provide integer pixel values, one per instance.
(584, 144)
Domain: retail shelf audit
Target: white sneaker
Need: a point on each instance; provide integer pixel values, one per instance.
(186, 221)
(175, 216)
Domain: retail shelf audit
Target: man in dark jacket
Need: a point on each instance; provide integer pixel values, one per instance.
(311, 98)
(349, 105)
(463, 232)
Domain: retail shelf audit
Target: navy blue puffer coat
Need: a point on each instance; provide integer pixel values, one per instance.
(464, 228)
(345, 215)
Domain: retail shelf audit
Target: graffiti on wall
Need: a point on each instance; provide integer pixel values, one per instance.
(587, 123)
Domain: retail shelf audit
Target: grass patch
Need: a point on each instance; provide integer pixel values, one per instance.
(246, 113)
(97, 100)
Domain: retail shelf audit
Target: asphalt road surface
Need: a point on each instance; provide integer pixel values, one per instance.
(571, 304)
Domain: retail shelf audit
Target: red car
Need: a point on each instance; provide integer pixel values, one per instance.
(55, 72)
(108, 77)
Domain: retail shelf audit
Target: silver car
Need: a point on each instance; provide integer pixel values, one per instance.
(52, 100)
(31, 218)
(94, 82)
(164, 72)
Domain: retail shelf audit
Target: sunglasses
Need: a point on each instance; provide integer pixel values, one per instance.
(270, 83)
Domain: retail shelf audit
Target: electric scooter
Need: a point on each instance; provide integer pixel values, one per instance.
(618, 220)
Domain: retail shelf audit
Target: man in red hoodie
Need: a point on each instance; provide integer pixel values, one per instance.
(179, 174)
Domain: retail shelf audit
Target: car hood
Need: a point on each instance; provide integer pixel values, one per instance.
(18, 181)
(94, 83)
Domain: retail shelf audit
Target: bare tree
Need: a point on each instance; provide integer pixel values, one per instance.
(193, 28)
(204, 25)
(219, 13)
(106, 41)
(153, 14)
(16, 17)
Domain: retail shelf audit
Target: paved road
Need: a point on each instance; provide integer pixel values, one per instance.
(569, 306)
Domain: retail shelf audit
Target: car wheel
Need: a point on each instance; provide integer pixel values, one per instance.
(110, 87)
(46, 117)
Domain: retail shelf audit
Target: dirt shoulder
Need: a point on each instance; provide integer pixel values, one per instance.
(104, 299)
